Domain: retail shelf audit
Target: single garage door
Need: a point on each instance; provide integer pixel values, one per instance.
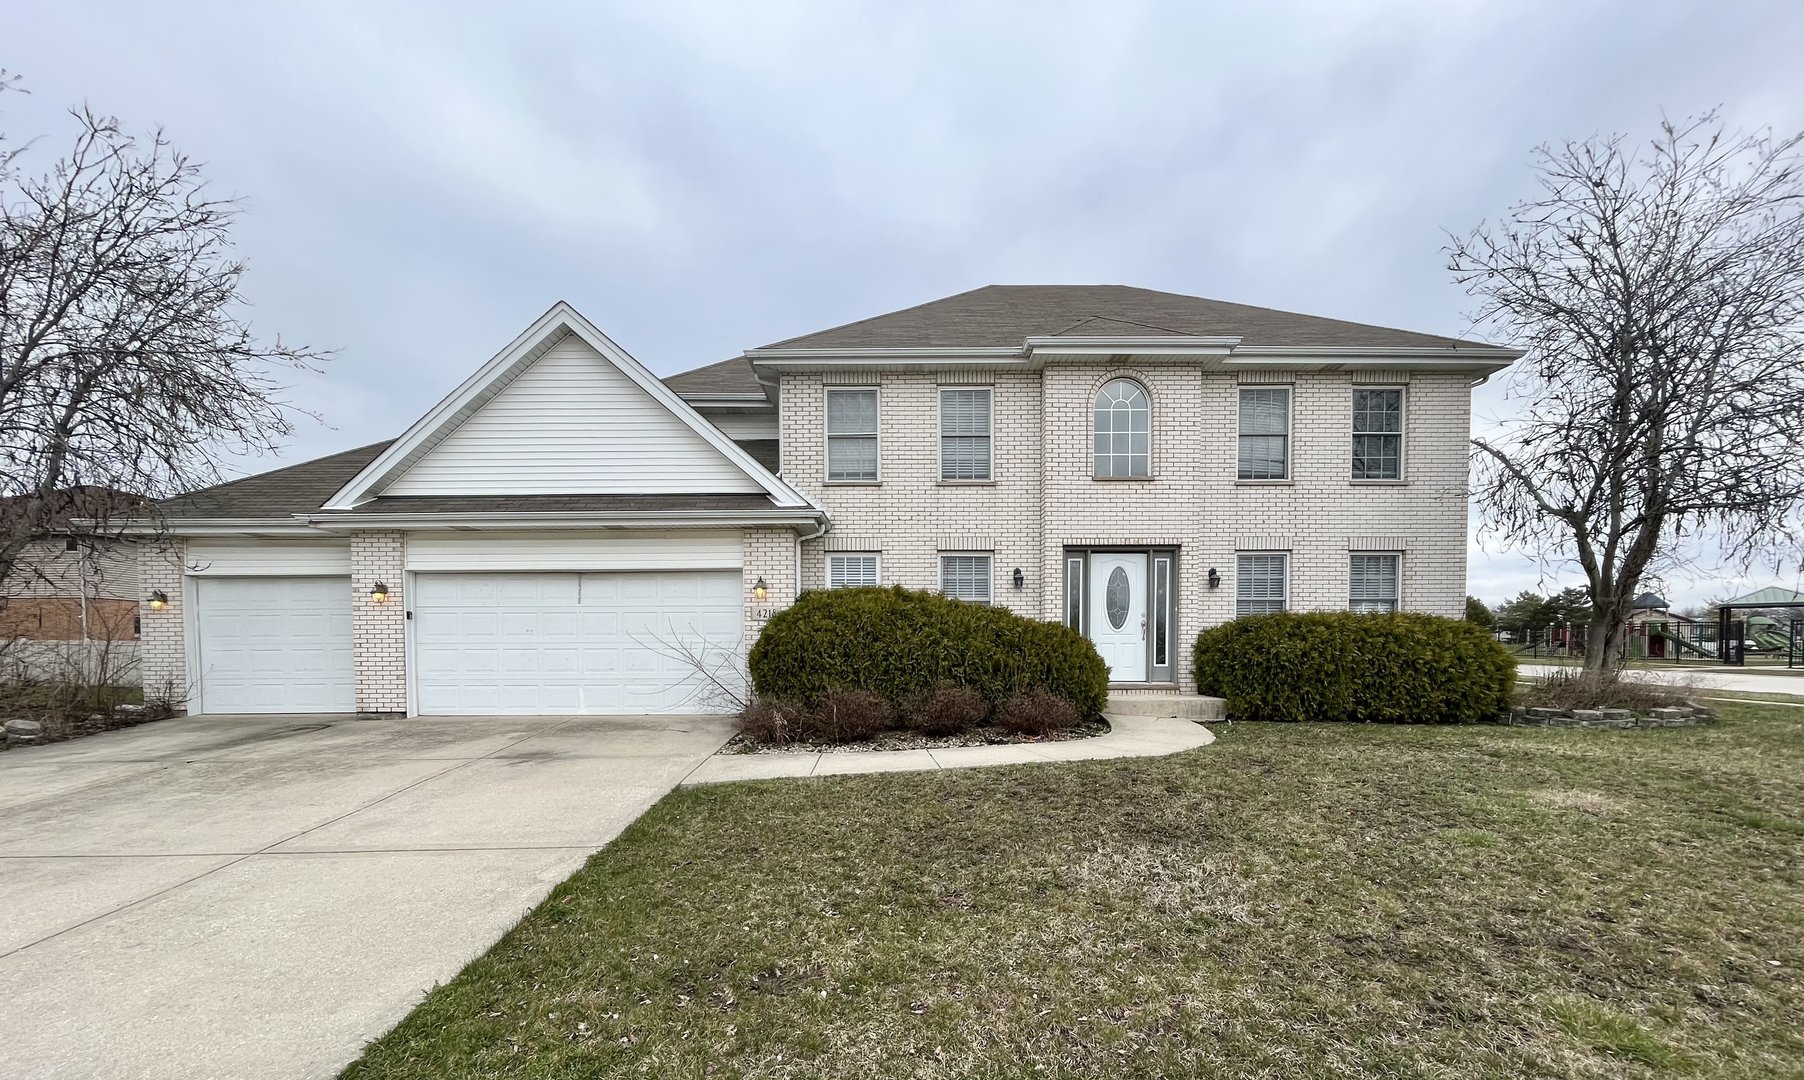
(570, 643)
(275, 644)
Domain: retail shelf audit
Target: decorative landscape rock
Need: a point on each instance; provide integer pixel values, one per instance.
(1609, 719)
(24, 732)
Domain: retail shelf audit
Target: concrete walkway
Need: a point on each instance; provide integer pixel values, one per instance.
(1745, 682)
(260, 896)
(1128, 736)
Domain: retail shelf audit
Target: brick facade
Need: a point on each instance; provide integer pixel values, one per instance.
(1045, 497)
(379, 630)
(162, 644)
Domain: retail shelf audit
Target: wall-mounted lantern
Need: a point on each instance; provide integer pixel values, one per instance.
(1214, 578)
(760, 590)
(379, 593)
(158, 599)
(1020, 578)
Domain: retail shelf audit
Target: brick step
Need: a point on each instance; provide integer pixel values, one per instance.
(1180, 706)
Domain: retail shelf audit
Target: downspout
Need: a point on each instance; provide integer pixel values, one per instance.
(826, 524)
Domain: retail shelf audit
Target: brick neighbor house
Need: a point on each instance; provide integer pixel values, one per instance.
(561, 529)
(72, 595)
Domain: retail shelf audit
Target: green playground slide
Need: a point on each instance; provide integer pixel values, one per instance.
(1681, 642)
(1767, 639)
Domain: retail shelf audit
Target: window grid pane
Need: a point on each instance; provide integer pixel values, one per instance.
(1374, 580)
(1259, 584)
(851, 434)
(1377, 434)
(964, 434)
(851, 571)
(1123, 423)
(1264, 434)
(965, 577)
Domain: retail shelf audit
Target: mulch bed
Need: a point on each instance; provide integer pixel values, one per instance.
(988, 735)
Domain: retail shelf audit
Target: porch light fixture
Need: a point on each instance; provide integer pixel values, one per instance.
(760, 590)
(1020, 578)
(1214, 578)
(158, 599)
(378, 593)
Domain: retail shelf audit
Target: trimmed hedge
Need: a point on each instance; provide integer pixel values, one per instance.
(1334, 665)
(898, 643)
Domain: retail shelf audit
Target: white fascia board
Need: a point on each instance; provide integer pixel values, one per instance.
(727, 401)
(1427, 360)
(291, 525)
(1144, 345)
(816, 359)
(560, 317)
(695, 519)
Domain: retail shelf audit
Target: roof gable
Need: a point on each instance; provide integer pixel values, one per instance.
(562, 410)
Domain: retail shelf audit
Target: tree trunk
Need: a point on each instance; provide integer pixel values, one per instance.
(1606, 634)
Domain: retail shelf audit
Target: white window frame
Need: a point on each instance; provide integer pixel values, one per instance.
(1402, 434)
(989, 393)
(1240, 578)
(1396, 558)
(989, 558)
(827, 435)
(876, 558)
(1096, 433)
(1290, 406)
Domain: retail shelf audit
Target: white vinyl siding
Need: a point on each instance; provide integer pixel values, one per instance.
(1265, 434)
(268, 558)
(851, 571)
(1378, 434)
(965, 434)
(1261, 584)
(742, 425)
(966, 577)
(1123, 430)
(648, 550)
(572, 423)
(852, 436)
(1374, 582)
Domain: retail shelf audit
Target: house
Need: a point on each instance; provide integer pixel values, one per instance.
(566, 533)
(70, 603)
(1652, 620)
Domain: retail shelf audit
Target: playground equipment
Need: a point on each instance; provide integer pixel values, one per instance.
(1732, 635)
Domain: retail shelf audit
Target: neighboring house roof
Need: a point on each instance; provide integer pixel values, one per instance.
(84, 501)
(1771, 596)
(729, 377)
(1650, 601)
(997, 316)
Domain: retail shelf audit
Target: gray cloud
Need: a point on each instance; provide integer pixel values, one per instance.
(422, 179)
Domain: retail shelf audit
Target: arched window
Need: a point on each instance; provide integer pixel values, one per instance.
(1123, 426)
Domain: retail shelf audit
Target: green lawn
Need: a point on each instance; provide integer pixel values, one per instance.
(1296, 900)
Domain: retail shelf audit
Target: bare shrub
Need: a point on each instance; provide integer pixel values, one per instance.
(1579, 689)
(771, 722)
(849, 716)
(946, 709)
(1037, 712)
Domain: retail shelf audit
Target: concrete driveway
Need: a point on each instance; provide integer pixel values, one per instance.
(260, 896)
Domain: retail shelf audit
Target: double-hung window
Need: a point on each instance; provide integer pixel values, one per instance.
(965, 434)
(966, 577)
(1377, 434)
(1261, 584)
(851, 435)
(851, 571)
(1265, 433)
(1374, 583)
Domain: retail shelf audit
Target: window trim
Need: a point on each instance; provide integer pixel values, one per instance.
(827, 436)
(989, 557)
(1397, 559)
(989, 393)
(876, 558)
(1094, 433)
(1402, 434)
(1239, 578)
(1290, 408)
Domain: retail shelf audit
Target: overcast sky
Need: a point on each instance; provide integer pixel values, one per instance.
(421, 180)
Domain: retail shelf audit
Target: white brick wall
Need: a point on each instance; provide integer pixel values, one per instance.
(379, 631)
(1044, 501)
(162, 644)
(770, 555)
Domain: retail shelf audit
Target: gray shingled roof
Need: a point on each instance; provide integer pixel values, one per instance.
(998, 316)
(733, 376)
(293, 489)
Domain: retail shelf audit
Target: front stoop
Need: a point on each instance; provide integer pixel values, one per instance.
(1168, 706)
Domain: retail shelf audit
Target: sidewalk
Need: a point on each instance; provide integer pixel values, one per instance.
(1129, 736)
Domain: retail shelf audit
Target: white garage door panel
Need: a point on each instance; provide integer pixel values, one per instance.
(275, 644)
(539, 643)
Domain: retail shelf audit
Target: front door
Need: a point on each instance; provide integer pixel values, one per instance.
(1118, 612)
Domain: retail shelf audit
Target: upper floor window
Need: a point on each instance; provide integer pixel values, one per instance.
(1265, 433)
(851, 571)
(1261, 584)
(851, 435)
(1374, 583)
(1377, 434)
(1123, 423)
(965, 434)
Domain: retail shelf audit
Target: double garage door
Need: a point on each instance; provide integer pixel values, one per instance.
(483, 643)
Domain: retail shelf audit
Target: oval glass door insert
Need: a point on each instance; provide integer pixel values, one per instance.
(1117, 597)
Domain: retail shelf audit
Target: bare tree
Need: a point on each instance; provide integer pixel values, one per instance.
(1660, 294)
(124, 361)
